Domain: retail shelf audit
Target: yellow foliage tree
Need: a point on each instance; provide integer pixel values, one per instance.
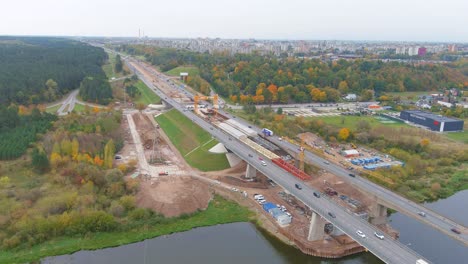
(55, 159)
(343, 134)
(424, 142)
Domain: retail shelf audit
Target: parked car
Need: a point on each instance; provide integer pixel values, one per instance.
(298, 186)
(332, 215)
(317, 194)
(379, 236)
(288, 214)
(361, 234)
(262, 202)
(456, 231)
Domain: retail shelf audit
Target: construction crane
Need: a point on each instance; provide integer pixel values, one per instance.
(214, 98)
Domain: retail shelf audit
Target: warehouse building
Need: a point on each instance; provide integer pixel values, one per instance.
(432, 121)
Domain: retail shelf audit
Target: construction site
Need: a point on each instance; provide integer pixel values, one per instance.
(171, 187)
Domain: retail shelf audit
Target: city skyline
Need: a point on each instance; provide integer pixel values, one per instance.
(362, 20)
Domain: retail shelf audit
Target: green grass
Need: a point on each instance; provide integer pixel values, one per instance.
(147, 96)
(79, 108)
(186, 136)
(191, 70)
(53, 109)
(351, 121)
(219, 211)
(458, 136)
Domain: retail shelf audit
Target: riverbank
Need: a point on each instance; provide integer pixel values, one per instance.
(219, 211)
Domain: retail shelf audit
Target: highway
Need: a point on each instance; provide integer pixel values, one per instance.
(388, 250)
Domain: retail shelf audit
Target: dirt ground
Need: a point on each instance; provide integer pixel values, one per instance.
(173, 196)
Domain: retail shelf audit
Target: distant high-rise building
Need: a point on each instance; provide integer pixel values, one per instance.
(400, 50)
(452, 48)
(413, 51)
(422, 51)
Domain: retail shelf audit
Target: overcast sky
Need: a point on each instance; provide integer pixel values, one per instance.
(406, 20)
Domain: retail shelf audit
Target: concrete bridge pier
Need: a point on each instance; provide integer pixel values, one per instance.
(378, 214)
(317, 227)
(250, 172)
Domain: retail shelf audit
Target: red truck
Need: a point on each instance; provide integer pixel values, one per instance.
(162, 173)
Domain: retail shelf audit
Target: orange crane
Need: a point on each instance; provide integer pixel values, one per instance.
(214, 98)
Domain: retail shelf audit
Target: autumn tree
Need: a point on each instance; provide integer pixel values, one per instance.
(75, 148)
(109, 152)
(343, 134)
(343, 87)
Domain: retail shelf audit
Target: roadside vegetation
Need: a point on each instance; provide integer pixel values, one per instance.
(191, 70)
(144, 226)
(192, 142)
(146, 96)
(435, 167)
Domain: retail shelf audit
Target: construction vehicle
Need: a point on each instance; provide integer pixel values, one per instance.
(197, 99)
(353, 146)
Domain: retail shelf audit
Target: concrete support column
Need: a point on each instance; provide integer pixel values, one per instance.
(250, 172)
(378, 214)
(317, 227)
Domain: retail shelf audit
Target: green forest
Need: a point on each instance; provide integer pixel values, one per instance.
(267, 79)
(39, 69)
(17, 131)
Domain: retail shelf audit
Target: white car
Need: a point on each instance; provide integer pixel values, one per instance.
(262, 202)
(263, 163)
(379, 236)
(288, 214)
(361, 234)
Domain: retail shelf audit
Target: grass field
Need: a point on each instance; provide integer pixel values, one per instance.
(219, 211)
(147, 96)
(191, 70)
(53, 109)
(351, 121)
(458, 136)
(187, 136)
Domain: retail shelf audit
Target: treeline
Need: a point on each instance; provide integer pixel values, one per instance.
(267, 79)
(17, 131)
(96, 90)
(40, 69)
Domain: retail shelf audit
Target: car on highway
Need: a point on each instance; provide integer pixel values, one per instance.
(352, 175)
(263, 163)
(317, 194)
(250, 126)
(260, 158)
(298, 186)
(379, 235)
(456, 231)
(332, 215)
(361, 234)
(326, 162)
(423, 214)
(250, 155)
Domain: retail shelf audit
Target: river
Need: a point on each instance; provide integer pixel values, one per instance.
(244, 243)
